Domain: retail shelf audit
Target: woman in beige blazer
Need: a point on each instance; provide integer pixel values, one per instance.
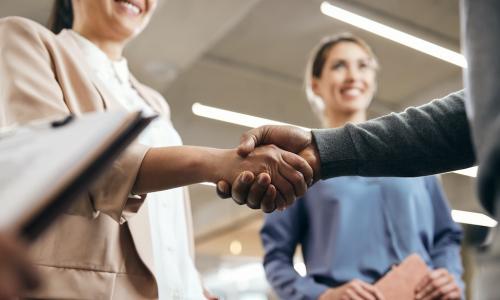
(101, 248)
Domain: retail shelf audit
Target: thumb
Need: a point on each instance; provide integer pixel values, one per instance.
(248, 141)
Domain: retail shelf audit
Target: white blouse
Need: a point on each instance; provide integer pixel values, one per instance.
(176, 274)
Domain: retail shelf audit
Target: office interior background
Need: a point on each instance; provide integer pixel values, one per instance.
(248, 56)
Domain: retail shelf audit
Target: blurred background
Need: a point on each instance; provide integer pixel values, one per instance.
(248, 56)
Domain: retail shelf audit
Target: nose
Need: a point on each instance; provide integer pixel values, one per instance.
(353, 73)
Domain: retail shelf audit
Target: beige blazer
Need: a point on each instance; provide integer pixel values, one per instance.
(101, 248)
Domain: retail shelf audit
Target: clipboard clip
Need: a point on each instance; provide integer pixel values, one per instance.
(62, 122)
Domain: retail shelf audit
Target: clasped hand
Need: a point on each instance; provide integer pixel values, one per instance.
(279, 164)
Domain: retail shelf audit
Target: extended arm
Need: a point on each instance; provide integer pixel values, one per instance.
(430, 139)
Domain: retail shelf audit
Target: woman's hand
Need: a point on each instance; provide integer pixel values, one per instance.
(282, 176)
(16, 272)
(353, 290)
(438, 284)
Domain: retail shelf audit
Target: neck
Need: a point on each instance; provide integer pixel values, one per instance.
(112, 48)
(339, 119)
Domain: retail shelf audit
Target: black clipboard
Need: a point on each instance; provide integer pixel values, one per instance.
(33, 216)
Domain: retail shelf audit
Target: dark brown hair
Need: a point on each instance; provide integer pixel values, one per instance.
(61, 16)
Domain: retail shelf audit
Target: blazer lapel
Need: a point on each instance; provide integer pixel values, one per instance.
(146, 95)
(139, 225)
(108, 99)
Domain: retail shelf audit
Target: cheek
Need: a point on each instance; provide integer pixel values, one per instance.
(335, 82)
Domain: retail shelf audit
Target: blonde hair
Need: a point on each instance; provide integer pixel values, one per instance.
(317, 60)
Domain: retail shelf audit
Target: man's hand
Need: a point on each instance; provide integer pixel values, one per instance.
(292, 139)
(353, 290)
(287, 172)
(438, 284)
(16, 273)
(289, 138)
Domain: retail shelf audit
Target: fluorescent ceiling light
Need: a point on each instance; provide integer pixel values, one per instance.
(393, 34)
(471, 172)
(472, 218)
(233, 117)
(210, 184)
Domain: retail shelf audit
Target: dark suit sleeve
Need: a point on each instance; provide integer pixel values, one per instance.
(429, 139)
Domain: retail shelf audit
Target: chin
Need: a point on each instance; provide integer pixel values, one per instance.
(128, 29)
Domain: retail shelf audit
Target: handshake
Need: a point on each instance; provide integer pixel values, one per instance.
(275, 165)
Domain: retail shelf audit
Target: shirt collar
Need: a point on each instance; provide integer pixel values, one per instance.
(100, 62)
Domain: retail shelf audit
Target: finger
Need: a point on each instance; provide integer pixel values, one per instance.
(223, 189)
(280, 201)
(241, 187)
(269, 199)
(453, 295)
(441, 291)
(351, 293)
(299, 164)
(295, 179)
(285, 189)
(363, 292)
(423, 283)
(373, 290)
(434, 285)
(257, 190)
(249, 140)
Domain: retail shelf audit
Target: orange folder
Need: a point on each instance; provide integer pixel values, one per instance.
(401, 281)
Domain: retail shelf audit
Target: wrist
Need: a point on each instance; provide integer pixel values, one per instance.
(311, 155)
(214, 164)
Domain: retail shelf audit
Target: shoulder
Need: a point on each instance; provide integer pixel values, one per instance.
(22, 27)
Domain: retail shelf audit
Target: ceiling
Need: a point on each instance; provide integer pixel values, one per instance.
(249, 56)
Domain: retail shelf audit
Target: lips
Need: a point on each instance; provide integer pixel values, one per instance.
(133, 6)
(351, 91)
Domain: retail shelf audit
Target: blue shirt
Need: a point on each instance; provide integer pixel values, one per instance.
(356, 227)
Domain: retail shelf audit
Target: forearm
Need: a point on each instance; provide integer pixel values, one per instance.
(429, 139)
(171, 167)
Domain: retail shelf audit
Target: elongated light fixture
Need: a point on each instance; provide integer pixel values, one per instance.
(393, 34)
(234, 117)
(472, 218)
(471, 172)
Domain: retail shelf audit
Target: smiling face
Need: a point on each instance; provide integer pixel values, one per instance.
(347, 80)
(117, 20)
